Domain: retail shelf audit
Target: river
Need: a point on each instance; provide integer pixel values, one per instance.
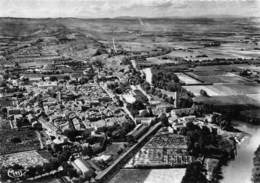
(240, 169)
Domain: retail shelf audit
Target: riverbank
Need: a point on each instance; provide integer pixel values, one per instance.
(242, 165)
(256, 169)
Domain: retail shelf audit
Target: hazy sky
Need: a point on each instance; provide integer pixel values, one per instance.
(113, 8)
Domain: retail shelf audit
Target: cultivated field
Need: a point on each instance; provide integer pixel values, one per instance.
(218, 77)
(231, 100)
(187, 79)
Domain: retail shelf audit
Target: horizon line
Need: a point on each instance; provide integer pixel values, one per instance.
(134, 17)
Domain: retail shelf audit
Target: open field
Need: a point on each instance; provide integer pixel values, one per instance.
(225, 89)
(231, 100)
(219, 77)
(251, 67)
(210, 70)
(187, 79)
(255, 97)
(149, 175)
(226, 50)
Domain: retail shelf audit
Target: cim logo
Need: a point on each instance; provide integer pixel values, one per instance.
(16, 173)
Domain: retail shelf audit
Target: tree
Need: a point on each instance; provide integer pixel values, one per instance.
(217, 175)
(4, 112)
(146, 86)
(190, 126)
(152, 90)
(47, 167)
(64, 156)
(53, 78)
(87, 151)
(172, 86)
(6, 76)
(164, 96)
(100, 51)
(70, 133)
(71, 172)
(195, 173)
(138, 105)
(86, 133)
(185, 102)
(225, 124)
(67, 78)
(3, 84)
(98, 63)
(31, 171)
(245, 73)
(37, 126)
(3, 174)
(159, 93)
(170, 100)
(16, 65)
(19, 123)
(38, 169)
(203, 93)
(164, 119)
(54, 164)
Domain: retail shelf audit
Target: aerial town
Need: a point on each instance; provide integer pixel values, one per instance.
(82, 102)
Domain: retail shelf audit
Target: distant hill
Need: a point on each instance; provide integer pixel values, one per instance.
(125, 27)
(28, 27)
